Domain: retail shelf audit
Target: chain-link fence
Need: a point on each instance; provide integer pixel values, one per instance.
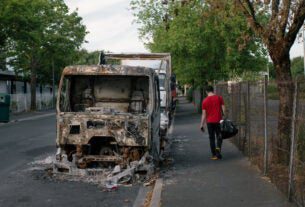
(22, 102)
(254, 107)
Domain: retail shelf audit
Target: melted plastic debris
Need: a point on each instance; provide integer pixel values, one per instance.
(107, 178)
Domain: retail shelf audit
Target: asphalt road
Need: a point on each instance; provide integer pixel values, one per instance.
(24, 142)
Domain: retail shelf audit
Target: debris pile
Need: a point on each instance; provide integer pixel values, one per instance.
(110, 179)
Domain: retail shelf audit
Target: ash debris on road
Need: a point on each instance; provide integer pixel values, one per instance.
(136, 172)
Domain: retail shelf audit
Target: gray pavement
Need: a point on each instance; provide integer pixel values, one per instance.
(30, 115)
(33, 139)
(195, 180)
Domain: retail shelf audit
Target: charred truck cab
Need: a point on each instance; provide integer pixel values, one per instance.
(161, 63)
(107, 114)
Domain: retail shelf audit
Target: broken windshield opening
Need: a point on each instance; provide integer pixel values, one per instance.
(105, 94)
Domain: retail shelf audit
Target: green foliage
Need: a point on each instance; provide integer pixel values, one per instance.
(190, 94)
(4, 33)
(207, 41)
(272, 91)
(87, 58)
(271, 70)
(297, 66)
(41, 35)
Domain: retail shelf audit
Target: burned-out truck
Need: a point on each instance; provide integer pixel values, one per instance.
(161, 63)
(107, 114)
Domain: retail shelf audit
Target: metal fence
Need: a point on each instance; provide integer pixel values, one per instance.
(22, 102)
(254, 107)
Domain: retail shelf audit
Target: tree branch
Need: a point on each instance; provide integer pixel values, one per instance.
(249, 12)
(284, 17)
(251, 9)
(297, 22)
(275, 9)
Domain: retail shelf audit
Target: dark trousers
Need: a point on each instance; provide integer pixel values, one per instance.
(214, 129)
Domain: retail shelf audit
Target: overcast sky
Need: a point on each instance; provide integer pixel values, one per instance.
(110, 25)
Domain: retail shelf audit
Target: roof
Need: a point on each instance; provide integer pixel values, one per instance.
(107, 70)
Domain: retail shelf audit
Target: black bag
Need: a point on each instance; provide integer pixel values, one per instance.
(228, 129)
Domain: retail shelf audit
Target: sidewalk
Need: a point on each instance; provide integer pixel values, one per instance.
(195, 180)
(29, 116)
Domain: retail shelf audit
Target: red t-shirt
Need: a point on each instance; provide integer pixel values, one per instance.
(212, 106)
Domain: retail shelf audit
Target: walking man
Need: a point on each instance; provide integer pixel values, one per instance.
(212, 111)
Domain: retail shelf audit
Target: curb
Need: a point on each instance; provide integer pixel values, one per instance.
(156, 196)
(35, 117)
(142, 196)
(155, 200)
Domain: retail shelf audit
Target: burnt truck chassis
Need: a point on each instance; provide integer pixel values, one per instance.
(104, 138)
(94, 137)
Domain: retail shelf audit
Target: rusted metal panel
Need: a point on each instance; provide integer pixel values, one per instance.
(106, 70)
(116, 126)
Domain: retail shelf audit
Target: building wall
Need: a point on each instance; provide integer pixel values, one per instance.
(19, 87)
(3, 86)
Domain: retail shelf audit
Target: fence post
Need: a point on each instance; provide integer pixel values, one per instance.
(265, 125)
(239, 116)
(232, 102)
(293, 142)
(245, 115)
(233, 107)
(248, 122)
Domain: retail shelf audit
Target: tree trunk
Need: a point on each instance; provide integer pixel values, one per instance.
(2, 52)
(286, 89)
(33, 88)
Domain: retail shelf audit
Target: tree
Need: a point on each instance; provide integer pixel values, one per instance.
(42, 33)
(4, 34)
(204, 42)
(278, 31)
(85, 57)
